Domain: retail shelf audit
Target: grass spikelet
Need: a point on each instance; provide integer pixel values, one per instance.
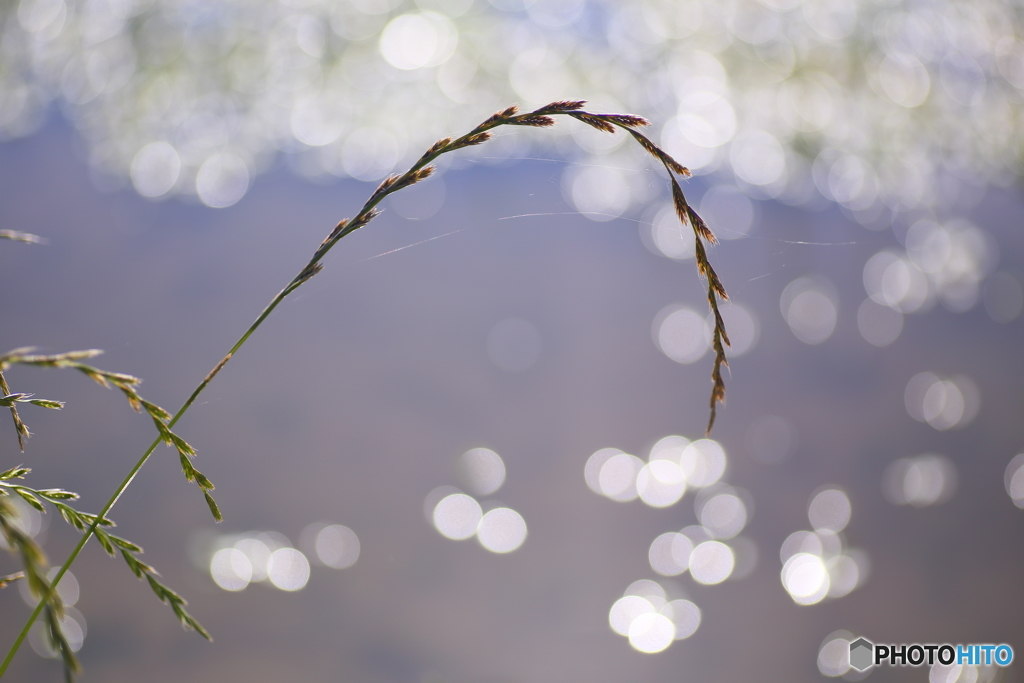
(20, 351)
(5, 581)
(309, 272)
(626, 120)
(437, 147)
(44, 403)
(661, 155)
(718, 384)
(700, 227)
(338, 229)
(410, 178)
(359, 221)
(383, 187)
(155, 411)
(705, 269)
(18, 472)
(470, 140)
(537, 121)
(215, 511)
(562, 107)
(680, 203)
(501, 116)
(362, 219)
(133, 399)
(16, 236)
(593, 121)
(20, 428)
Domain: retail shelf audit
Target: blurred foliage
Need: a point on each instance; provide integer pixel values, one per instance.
(877, 104)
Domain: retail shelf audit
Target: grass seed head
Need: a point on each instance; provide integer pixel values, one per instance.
(661, 155)
(438, 146)
(500, 116)
(384, 186)
(537, 121)
(627, 120)
(700, 227)
(593, 121)
(563, 106)
(469, 141)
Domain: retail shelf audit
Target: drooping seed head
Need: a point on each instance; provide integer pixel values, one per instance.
(562, 106)
(627, 120)
(502, 115)
(475, 139)
(700, 227)
(536, 121)
(593, 121)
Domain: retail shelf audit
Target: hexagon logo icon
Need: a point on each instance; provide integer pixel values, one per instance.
(861, 654)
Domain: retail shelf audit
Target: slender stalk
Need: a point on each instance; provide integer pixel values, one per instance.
(419, 171)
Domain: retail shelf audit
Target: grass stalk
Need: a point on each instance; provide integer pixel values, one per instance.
(419, 171)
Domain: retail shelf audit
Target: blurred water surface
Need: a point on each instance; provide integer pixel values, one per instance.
(518, 357)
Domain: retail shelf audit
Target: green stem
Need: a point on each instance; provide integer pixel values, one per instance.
(303, 275)
(365, 215)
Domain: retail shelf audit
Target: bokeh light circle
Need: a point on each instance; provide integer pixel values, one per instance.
(592, 469)
(337, 546)
(921, 481)
(679, 333)
(155, 169)
(288, 569)
(617, 479)
(879, 325)
(625, 610)
(834, 655)
(723, 514)
(501, 530)
(230, 569)
(416, 40)
(810, 309)
(222, 180)
(942, 403)
(258, 553)
(685, 617)
(741, 325)
(703, 462)
(669, 237)
(68, 590)
(73, 628)
(669, 554)
(711, 562)
(1014, 480)
(727, 211)
(481, 471)
(457, 516)
(805, 578)
(600, 193)
(829, 509)
(651, 632)
(660, 483)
